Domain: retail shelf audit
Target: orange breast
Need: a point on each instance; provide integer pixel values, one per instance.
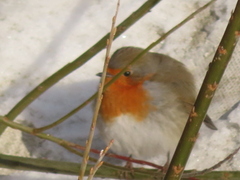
(125, 97)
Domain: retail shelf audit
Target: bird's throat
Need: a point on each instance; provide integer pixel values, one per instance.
(124, 100)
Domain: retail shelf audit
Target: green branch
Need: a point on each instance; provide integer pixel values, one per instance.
(70, 168)
(209, 86)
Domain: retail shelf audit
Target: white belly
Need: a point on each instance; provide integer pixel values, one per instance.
(143, 139)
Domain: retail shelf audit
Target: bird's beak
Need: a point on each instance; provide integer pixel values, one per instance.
(107, 75)
(99, 74)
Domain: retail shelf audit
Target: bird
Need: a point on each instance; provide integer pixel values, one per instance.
(145, 110)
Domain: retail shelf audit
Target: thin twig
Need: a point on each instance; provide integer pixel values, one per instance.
(229, 157)
(99, 96)
(132, 160)
(99, 163)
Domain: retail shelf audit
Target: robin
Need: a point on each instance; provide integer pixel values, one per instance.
(146, 109)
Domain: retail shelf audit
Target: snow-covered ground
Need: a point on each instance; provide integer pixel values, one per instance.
(40, 37)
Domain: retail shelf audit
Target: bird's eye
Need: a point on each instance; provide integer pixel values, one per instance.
(127, 73)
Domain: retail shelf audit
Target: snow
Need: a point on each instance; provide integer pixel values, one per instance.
(40, 37)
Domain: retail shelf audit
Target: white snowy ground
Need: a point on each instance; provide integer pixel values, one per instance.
(39, 37)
